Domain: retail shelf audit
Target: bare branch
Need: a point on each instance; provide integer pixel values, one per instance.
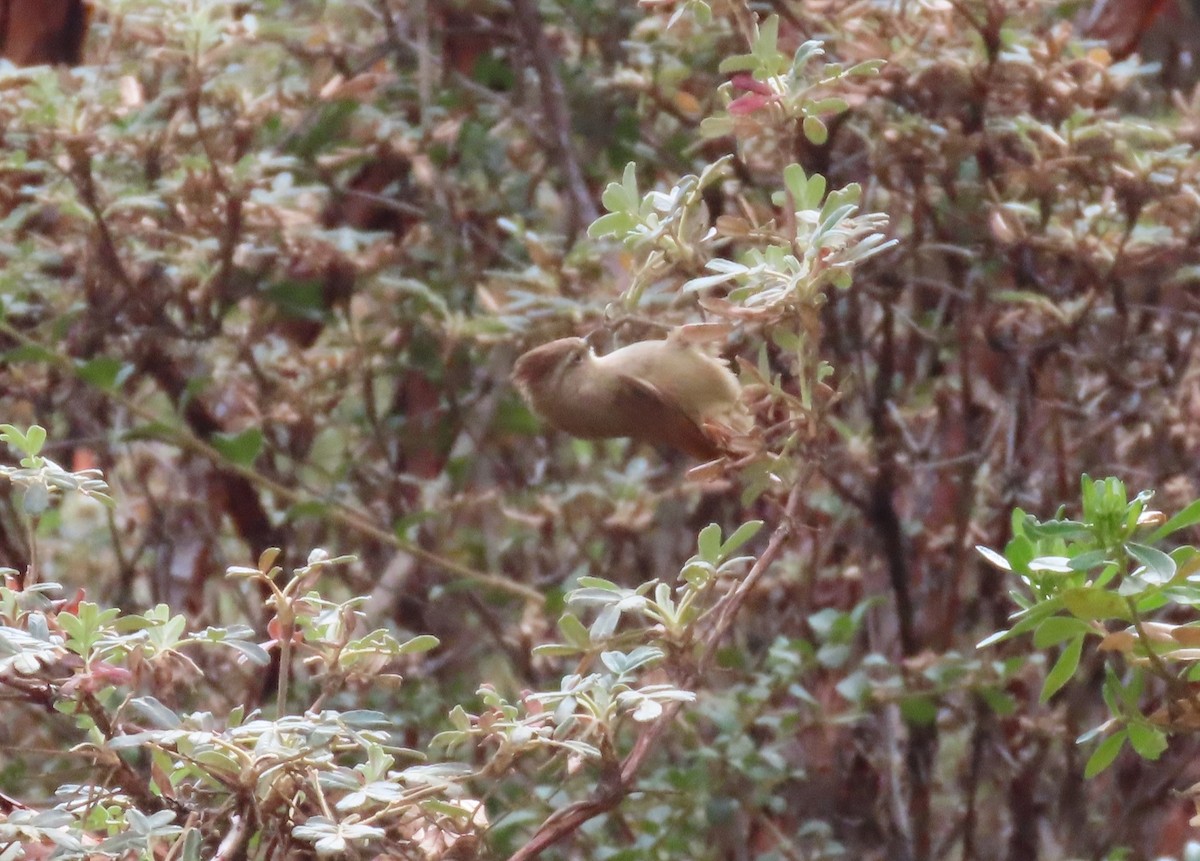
(554, 103)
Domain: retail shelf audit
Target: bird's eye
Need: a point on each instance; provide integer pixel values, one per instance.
(575, 358)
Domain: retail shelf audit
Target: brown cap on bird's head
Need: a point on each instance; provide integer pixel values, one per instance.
(540, 362)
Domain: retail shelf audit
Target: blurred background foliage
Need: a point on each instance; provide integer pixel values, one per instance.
(267, 265)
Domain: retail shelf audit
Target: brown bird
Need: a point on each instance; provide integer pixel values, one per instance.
(665, 392)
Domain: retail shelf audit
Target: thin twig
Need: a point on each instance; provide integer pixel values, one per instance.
(233, 845)
(554, 105)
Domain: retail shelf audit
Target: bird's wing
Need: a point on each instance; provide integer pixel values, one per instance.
(666, 422)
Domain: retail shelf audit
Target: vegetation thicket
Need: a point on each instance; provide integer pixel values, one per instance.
(292, 571)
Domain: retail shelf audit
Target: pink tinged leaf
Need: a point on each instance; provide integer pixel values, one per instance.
(744, 81)
(748, 104)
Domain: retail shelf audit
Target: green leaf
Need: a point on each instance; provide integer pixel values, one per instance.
(1159, 567)
(807, 51)
(1149, 741)
(422, 643)
(1019, 552)
(574, 631)
(615, 201)
(298, 299)
(605, 624)
(327, 130)
(1027, 621)
(833, 216)
(253, 652)
(918, 710)
(823, 621)
(1111, 690)
(613, 224)
(1131, 694)
(629, 185)
(1190, 516)
(160, 714)
(619, 198)
(1089, 603)
(241, 448)
(556, 650)
(814, 192)
(867, 67)
(709, 543)
(34, 440)
(1058, 629)
(1087, 560)
(815, 130)
(833, 655)
(30, 353)
(1000, 702)
(1063, 669)
(1066, 529)
(766, 44)
(445, 808)
(159, 431)
(855, 688)
(459, 718)
(621, 663)
(737, 63)
(599, 583)
(14, 437)
(1104, 754)
(715, 127)
(1106, 576)
(849, 194)
(104, 372)
(796, 181)
(1136, 585)
(740, 536)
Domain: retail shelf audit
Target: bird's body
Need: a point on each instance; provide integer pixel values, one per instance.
(665, 392)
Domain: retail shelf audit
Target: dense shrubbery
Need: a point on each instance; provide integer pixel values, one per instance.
(266, 266)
